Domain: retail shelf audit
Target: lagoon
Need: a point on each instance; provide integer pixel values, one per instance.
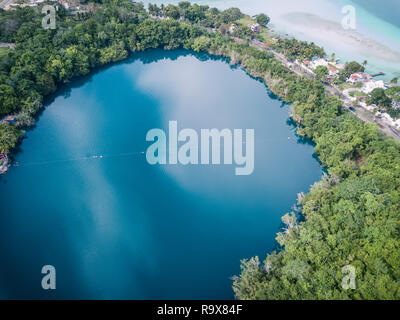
(375, 39)
(84, 199)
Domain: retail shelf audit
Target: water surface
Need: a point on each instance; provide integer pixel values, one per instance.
(116, 227)
(375, 39)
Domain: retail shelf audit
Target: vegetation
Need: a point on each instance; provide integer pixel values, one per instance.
(347, 85)
(357, 94)
(321, 72)
(394, 95)
(4, 52)
(379, 97)
(351, 217)
(245, 32)
(295, 49)
(9, 137)
(263, 19)
(350, 68)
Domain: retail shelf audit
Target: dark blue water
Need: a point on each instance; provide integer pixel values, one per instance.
(116, 227)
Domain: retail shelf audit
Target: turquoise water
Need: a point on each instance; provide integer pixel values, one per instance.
(376, 38)
(388, 10)
(116, 227)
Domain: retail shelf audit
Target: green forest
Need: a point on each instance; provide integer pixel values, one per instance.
(351, 217)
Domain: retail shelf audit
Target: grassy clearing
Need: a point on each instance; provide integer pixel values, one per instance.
(246, 20)
(357, 94)
(3, 51)
(346, 85)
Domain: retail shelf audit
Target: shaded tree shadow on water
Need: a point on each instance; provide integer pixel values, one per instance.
(145, 57)
(271, 95)
(148, 57)
(305, 141)
(64, 90)
(155, 55)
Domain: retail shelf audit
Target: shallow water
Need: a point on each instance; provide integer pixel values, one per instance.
(116, 227)
(375, 39)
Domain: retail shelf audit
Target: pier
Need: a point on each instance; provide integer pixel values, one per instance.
(378, 74)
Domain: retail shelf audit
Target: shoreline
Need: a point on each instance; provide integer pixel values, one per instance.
(314, 22)
(327, 12)
(320, 117)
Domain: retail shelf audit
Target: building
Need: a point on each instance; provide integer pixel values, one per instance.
(369, 86)
(9, 120)
(320, 62)
(232, 28)
(316, 62)
(395, 104)
(254, 27)
(3, 163)
(332, 71)
(359, 77)
(70, 4)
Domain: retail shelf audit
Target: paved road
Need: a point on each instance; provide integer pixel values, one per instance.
(7, 45)
(360, 113)
(5, 2)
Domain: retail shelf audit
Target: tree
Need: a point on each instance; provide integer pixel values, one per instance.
(231, 15)
(394, 80)
(350, 68)
(184, 4)
(154, 10)
(321, 72)
(8, 99)
(263, 19)
(201, 43)
(9, 137)
(172, 12)
(223, 29)
(379, 97)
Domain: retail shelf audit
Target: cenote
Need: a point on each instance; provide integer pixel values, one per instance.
(84, 199)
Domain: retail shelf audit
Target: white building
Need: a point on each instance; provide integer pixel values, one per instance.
(369, 86)
(319, 62)
(332, 71)
(359, 77)
(395, 104)
(232, 28)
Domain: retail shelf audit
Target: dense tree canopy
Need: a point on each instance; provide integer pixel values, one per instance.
(263, 19)
(295, 49)
(379, 97)
(350, 68)
(351, 217)
(321, 72)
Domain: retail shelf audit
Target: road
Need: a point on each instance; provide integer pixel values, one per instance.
(361, 113)
(7, 45)
(5, 2)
